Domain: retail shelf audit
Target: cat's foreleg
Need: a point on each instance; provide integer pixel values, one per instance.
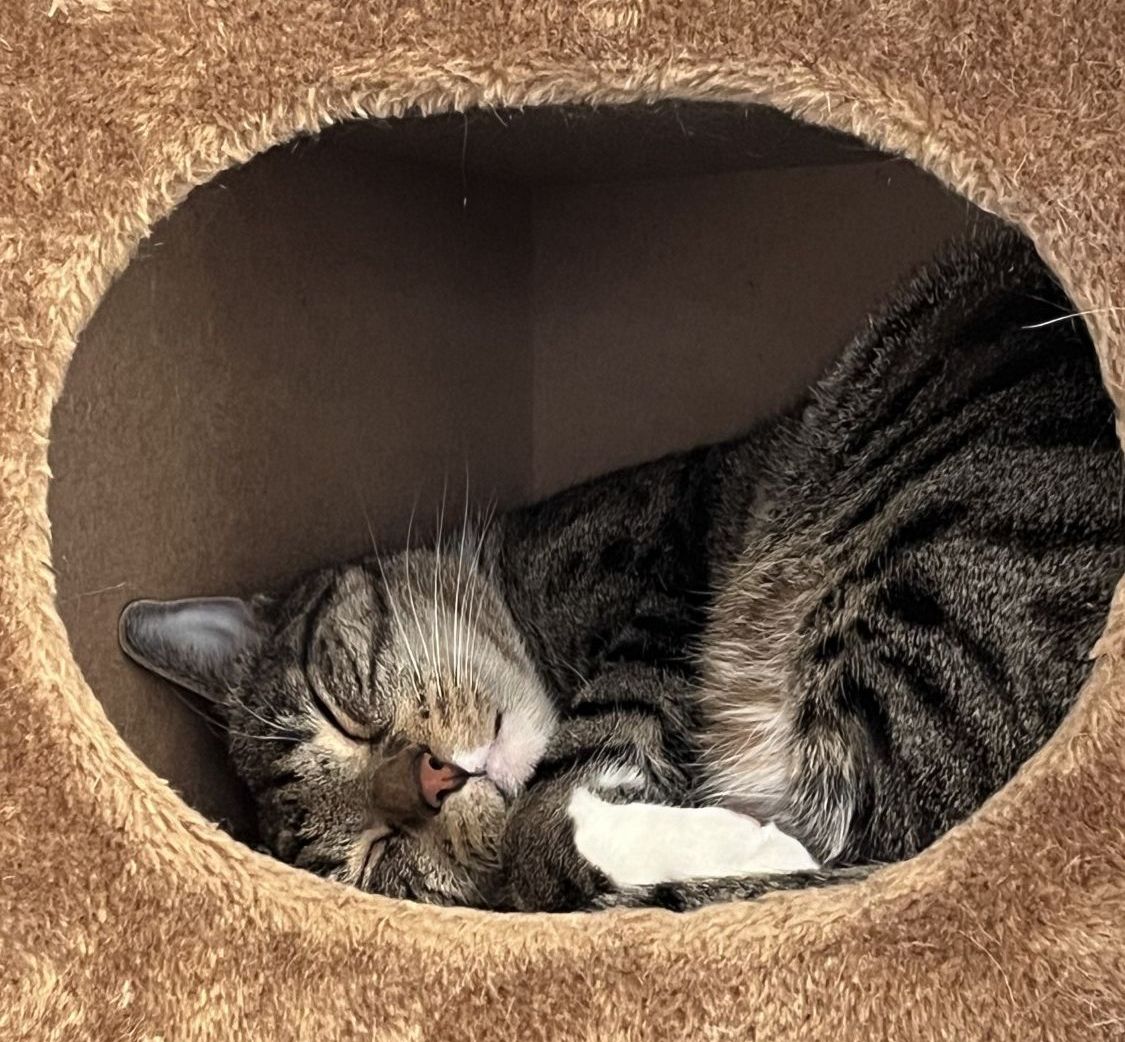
(623, 740)
(604, 819)
(587, 841)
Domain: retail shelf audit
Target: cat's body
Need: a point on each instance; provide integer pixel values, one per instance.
(856, 622)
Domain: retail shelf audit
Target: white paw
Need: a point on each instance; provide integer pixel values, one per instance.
(641, 844)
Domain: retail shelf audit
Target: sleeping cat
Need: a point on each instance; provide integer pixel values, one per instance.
(772, 662)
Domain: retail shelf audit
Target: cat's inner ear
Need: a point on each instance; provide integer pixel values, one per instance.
(196, 643)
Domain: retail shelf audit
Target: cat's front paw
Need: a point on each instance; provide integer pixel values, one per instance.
(643, 844)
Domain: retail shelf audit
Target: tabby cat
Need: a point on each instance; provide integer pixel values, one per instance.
(771, 662)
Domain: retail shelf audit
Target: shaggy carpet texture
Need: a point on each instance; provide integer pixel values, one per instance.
(125, 915)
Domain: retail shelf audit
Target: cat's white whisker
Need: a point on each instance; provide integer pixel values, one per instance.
(456, 626)
(391, 599)
(471, 624)
(410, 585)
(276, 726)
(1108, 310)
(261, 737)
(458, 623)
(478, 587)
(438, 602)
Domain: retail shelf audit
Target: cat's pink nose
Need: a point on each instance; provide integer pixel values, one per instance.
(437, 780)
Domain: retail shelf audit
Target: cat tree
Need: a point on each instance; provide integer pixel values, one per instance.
(125, 914)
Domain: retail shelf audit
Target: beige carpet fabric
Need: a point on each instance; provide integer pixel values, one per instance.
(125, 915)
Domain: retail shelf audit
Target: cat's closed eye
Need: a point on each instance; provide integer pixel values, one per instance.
(341, 721)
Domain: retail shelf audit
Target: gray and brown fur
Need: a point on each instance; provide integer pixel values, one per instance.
(858, 620)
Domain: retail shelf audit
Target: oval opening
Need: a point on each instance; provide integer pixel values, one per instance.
(316, 348)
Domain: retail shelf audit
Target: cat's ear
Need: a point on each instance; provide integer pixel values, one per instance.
(196, 643)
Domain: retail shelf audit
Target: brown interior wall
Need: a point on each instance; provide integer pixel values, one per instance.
(306, 338)
(317, 334)
(672, 312)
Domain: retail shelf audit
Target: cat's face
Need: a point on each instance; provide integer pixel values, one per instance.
(384, 715)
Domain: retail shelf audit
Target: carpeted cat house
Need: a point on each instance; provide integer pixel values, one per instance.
(127, 914)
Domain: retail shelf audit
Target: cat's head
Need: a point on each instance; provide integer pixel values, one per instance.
(384, 714)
